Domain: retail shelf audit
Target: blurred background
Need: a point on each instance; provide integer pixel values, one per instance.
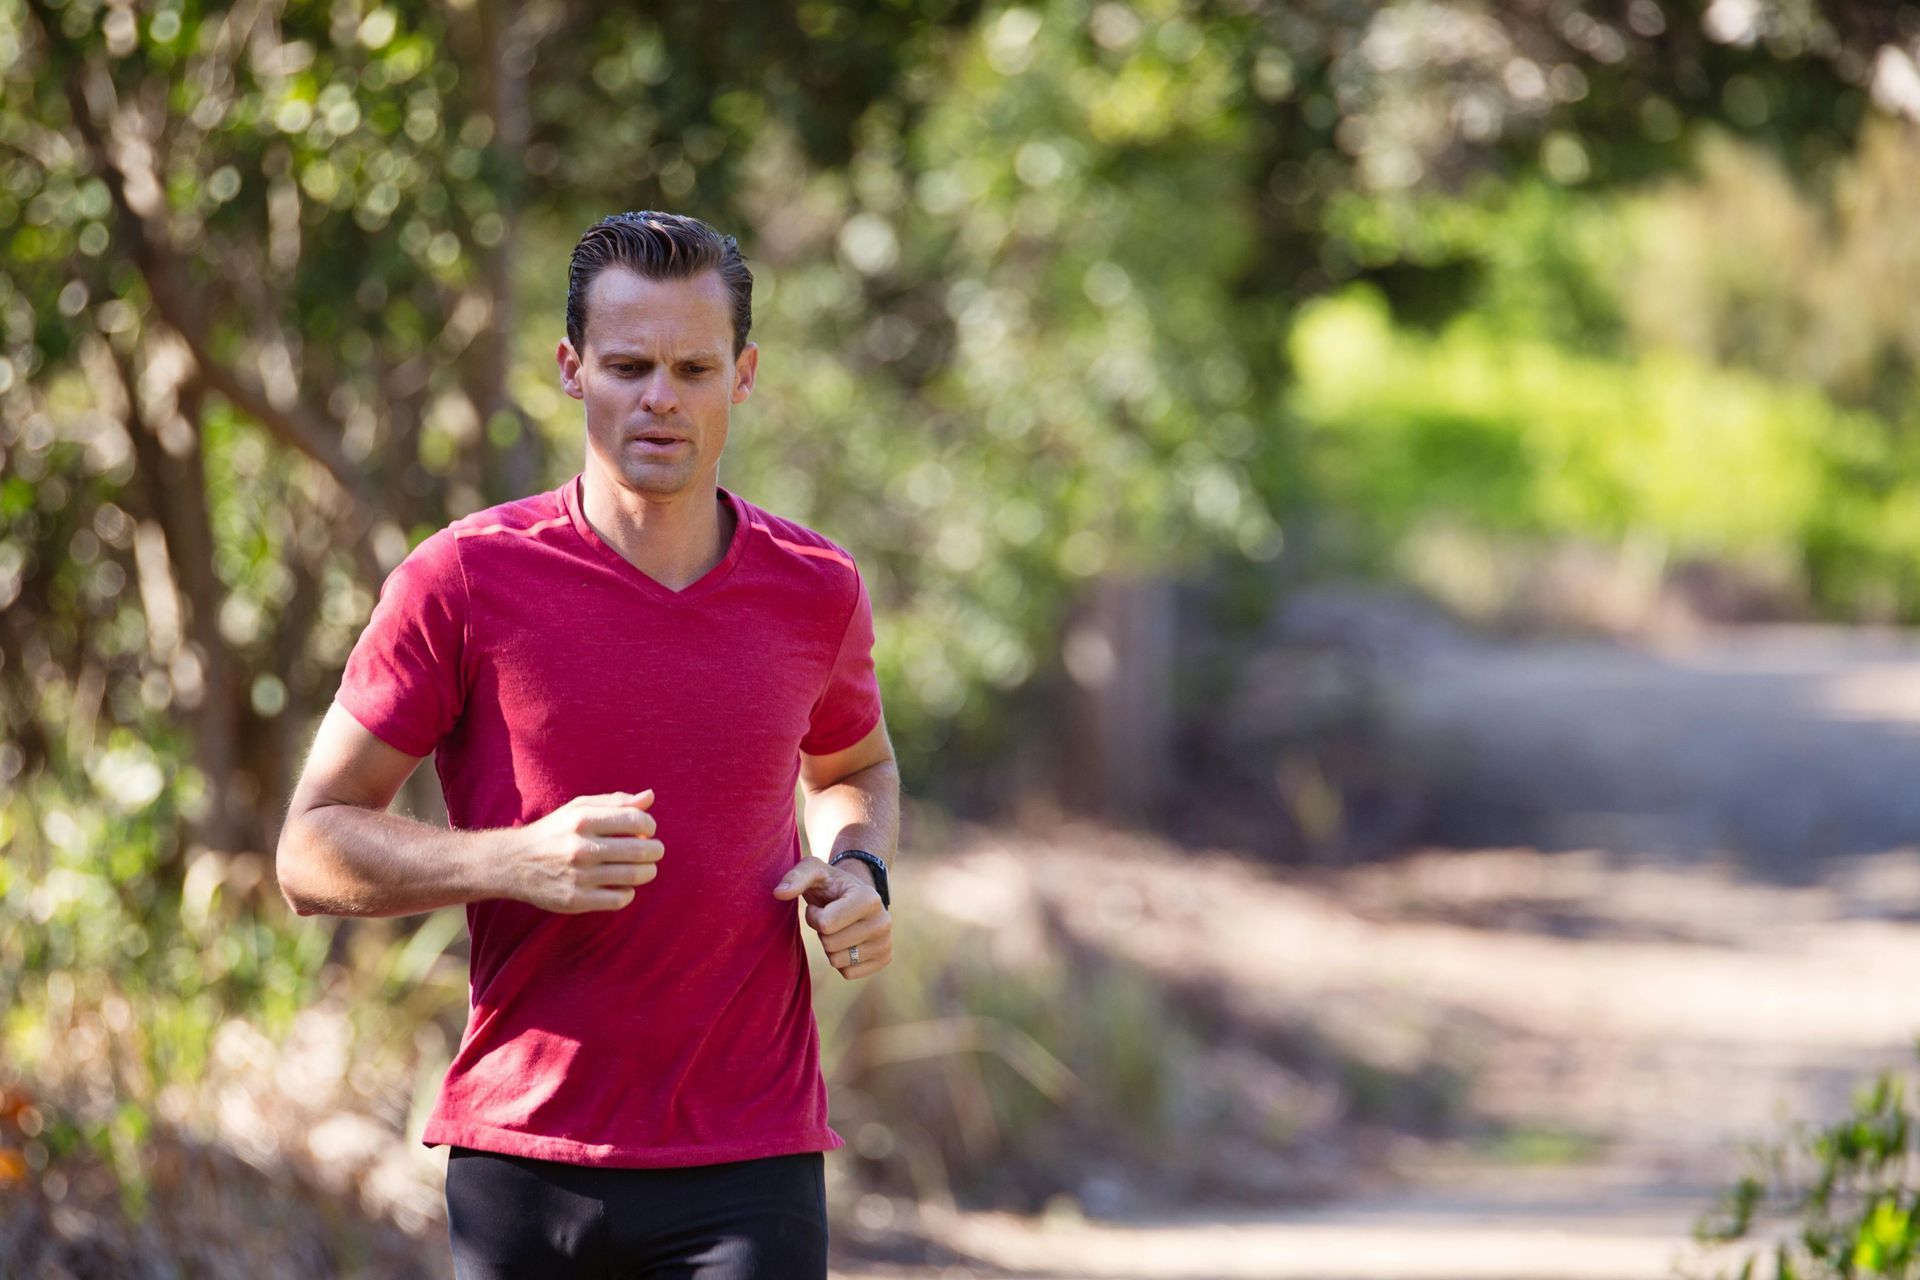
(1393, 531)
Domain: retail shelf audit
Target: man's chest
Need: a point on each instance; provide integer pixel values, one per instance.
(602, 673)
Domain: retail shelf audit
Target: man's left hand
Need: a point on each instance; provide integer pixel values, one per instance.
(844, 908)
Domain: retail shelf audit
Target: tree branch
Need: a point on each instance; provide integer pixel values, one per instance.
(298, 426)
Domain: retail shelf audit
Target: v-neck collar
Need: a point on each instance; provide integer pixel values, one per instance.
(574, 497)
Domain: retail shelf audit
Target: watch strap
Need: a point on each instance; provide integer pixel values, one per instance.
(872, 860)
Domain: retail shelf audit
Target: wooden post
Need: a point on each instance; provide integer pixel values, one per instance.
(1118, 650)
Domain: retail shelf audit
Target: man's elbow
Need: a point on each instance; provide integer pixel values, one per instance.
(287, 868)
(299, 905)
(295, 903)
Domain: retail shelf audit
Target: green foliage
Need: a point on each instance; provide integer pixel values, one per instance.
(1533, 1145)
(1525, 436)
(1016, 367)
(1516, 435)
(1530, 257)
(111, 971)
(1809, 280)
(1849, 1190)
(120, 980)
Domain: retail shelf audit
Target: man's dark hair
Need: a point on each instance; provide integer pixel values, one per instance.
(660, 246)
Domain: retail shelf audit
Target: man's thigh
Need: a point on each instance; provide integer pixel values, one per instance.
(745, 1220)
(512, 1216)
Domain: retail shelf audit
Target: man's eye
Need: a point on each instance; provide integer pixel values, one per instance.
(696, 368)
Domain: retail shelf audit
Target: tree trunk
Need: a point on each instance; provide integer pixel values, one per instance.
(506, 42)
(1119, 651)
(170, 483)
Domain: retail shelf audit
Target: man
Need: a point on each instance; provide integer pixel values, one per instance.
(620, 681)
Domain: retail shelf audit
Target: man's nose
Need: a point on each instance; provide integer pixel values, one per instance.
(657, 395)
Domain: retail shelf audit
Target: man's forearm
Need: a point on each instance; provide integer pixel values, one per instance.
(861, 811)
(344, 860)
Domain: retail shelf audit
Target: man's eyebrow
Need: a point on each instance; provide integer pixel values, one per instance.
(616, 354)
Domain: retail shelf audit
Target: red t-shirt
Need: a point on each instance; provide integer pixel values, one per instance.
(537, 664)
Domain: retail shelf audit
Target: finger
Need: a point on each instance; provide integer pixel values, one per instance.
(639, 799)
(866, 968)
(617, 821)
(858, 932)
(874, 950)
(606, 899)
(620, 875)
(854, 905)
(630, 849)
(804, 875)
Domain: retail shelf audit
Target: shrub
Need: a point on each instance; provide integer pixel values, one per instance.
(1852, 1189)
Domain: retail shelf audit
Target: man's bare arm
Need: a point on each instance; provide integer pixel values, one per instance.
(853, 801)
(341, 853)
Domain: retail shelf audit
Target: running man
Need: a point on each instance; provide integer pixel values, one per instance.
(620, 682)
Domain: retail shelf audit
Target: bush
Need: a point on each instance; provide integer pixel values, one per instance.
(1853, 1186)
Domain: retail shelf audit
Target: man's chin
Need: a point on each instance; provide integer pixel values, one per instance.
(657, 480)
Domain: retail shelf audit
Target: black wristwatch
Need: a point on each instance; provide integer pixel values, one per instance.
(872, 860)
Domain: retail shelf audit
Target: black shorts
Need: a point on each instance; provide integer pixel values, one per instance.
(512, 1216)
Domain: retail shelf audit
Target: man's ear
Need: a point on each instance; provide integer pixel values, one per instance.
(744, 370)
(569, 361)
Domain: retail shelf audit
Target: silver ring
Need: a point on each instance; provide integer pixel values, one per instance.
(853, 956)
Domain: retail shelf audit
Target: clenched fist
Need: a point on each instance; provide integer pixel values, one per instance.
(591, 854)
(846, 911)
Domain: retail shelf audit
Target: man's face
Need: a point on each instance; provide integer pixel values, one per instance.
(658, 378)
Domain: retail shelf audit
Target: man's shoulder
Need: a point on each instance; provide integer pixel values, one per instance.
(436, 561)
(529, 515)
(804, 548)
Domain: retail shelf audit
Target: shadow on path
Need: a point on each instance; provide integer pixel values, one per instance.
(1776, 747)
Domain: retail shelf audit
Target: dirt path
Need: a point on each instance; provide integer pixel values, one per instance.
(1776, 746)
(1716, 960)
(1648, 1019)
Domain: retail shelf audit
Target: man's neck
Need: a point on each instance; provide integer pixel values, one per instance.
(674, 540)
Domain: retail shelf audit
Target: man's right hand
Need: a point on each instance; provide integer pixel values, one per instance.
(590, 854)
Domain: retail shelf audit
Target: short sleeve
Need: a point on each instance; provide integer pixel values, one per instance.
(403, 681)
(849, 705)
